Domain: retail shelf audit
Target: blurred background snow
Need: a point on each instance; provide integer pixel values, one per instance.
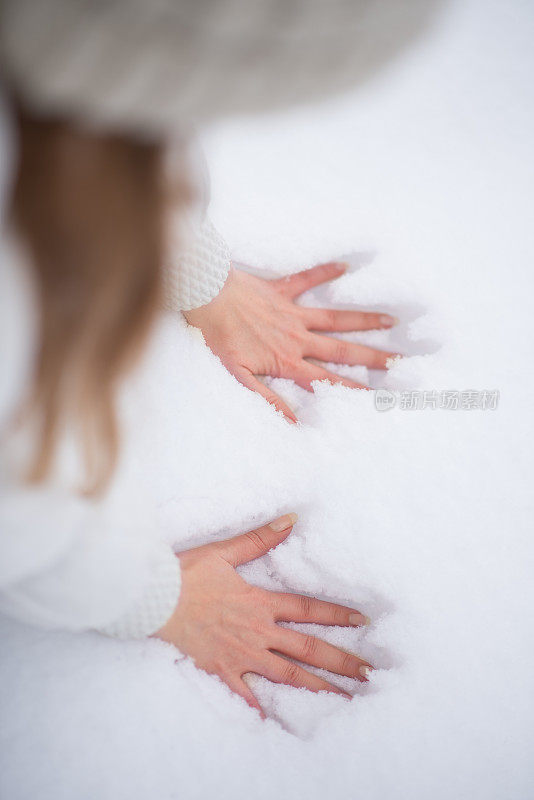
(422, 519)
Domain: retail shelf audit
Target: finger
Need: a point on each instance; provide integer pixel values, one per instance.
(326, 348)
(279, 670)
(300, 282)
(289, 607)
(329, 319)
(255, 385)
(253, 544)
(317, 653)
(238, 685)
(306, 373)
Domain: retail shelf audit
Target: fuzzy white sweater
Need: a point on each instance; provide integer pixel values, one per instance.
(85, 566)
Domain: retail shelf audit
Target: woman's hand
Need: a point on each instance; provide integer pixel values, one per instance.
(229, 627)
(256, 328)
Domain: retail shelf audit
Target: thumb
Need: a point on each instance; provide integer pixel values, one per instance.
(256, 543)
(248, 379)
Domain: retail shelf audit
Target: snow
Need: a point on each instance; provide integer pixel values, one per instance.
(422, 519)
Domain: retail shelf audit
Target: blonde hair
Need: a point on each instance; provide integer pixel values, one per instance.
(89, 208)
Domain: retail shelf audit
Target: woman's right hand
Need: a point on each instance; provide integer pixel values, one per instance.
(228, 627)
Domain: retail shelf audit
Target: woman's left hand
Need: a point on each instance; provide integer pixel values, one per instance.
(255, 327)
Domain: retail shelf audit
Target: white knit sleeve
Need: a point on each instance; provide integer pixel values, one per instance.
(67, 564)
(159, 598)
(196, 274)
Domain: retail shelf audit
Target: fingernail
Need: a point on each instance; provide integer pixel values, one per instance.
(359, 619)
(365, 671)
(341, 266)
(387, 321)
(283, 523)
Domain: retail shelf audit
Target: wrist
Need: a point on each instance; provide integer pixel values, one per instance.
(194, 316)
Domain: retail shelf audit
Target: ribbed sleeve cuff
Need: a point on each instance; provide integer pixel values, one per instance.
(198, 274)
(152, 610)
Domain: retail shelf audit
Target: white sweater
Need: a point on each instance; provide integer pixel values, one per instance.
(82, 567)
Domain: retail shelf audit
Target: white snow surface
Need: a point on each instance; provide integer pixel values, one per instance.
(421, 519)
